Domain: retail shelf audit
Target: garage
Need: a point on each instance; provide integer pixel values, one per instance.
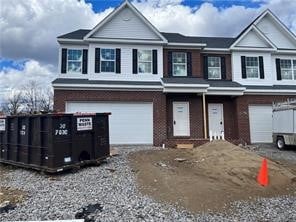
(260, 117)
(130, 123)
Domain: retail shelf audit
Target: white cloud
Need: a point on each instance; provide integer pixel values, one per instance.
(13, 79)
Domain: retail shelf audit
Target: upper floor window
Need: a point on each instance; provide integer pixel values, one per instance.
(288, 69)
(252, 67)
(107, 60)
(179, 60)
(74, 61)
(145, 61)
(214, 67)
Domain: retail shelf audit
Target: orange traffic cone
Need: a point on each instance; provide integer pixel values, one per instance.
(262, 177)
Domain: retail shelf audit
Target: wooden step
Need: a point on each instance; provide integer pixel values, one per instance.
(185, 146)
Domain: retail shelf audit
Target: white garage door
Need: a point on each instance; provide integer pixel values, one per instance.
(260, 123)
(130, 123)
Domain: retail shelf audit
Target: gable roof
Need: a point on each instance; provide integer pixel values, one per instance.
(115, 12)
(252, 26)
(78, 34)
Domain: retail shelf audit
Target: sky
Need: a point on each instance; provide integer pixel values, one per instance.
(28, 28)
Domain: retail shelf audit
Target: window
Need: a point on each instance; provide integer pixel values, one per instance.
(107, 60)
(179, 62)
(288, 69)
(74, 61)
(214, 67)
(252, 67)
(145, 61)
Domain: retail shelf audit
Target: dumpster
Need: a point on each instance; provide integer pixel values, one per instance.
(54, 142)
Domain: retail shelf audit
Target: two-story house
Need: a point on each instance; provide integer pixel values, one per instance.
(167, 88)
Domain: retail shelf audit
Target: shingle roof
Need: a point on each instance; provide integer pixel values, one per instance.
(194, 80)
(78, 34)
(280, 87)
(103, 82)
(212, 42)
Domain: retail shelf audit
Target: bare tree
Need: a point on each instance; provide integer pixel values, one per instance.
(13, 104)
(46, 101)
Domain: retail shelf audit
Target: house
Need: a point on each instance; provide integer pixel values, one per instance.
(167, 88)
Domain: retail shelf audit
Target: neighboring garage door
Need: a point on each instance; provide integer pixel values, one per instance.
(260, 123)
(130, 123)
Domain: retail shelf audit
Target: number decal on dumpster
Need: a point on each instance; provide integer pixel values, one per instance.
(2, 124)
(84, 123)
(62, 131)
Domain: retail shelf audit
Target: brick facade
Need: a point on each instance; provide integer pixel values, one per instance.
(235, 111)
(197, 62)
(158, 99)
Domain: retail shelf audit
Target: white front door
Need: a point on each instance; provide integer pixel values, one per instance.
(216, 122)
(181, 119)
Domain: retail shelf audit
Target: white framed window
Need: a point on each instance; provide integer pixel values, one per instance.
(288, 69)
(252, 67)
(107, 60)
(74, 61)
(214, 67)
(179, 64)
(144, 61)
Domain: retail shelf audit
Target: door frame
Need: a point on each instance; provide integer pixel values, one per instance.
(188, 118)
(222, 113)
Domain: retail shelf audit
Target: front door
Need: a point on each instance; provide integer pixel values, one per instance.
(216, 122)
(181, 119)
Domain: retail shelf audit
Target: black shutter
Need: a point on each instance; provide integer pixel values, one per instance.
(154, 60)
(189, 64)
(278, 69)
(170, 63)
(223, 68)
(261, 67)
(118, 61)
(243, 64)
(97, 60)
(84, 61)
(135, 61)
(205, 67)
(64, 61)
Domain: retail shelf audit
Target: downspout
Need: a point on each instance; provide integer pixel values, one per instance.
(204, 115)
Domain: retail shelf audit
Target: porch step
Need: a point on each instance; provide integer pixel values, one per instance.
(185, 146)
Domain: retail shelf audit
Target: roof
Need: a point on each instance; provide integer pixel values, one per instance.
(212, 42)
(78, 34)
(103, 82)
(194, 80)
(274, 87)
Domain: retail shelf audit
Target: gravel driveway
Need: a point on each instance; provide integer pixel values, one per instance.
(111, 194)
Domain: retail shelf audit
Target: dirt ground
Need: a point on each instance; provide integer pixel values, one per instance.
(13, 196)
(208, 178)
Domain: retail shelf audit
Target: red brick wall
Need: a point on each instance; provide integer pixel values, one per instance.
(158, 99)
(242, 111)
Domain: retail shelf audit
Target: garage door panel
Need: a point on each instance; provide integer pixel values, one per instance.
(130, 123)
(260, 117)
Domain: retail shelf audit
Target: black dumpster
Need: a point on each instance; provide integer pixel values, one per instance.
(54, 142)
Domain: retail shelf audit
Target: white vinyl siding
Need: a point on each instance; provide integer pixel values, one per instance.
(126, 25)
(179, 60)
(214, 67)
(129, 123)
